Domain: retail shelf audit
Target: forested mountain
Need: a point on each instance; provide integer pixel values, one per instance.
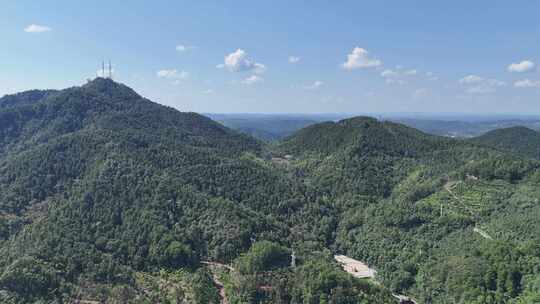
(519, 140)
(444, 220)
(109, 197)
(106, 196)
(467, 126)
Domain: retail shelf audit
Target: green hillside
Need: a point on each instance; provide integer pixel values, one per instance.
(106, 196)
(418, 208)
(520, 140)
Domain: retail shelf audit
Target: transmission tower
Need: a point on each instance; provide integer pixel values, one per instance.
(110, 70)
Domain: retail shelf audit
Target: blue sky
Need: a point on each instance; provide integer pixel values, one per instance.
(284, 56)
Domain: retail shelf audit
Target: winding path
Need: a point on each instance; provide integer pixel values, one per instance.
(219, 285)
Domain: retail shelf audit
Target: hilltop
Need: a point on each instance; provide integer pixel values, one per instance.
(519, 140)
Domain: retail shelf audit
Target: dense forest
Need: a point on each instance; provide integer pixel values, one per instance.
(519, 140)
(106, 196)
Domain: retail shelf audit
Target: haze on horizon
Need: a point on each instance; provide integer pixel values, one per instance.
(282, 57)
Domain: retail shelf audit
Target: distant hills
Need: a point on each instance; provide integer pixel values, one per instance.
(265, 127)
(519, 140)
(273, 127)
(108, 197)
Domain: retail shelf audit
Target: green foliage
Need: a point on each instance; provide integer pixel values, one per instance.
(30, 278)
(531, 294)
(319, 281)
(520, 140)
(107, 196)
(203, 289)
(263, 256)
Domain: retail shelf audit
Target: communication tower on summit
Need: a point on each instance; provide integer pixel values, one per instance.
(106, 73)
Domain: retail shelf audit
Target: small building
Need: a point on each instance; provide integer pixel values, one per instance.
(356, 268)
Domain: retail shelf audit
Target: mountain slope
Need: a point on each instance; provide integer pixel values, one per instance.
(365, 156)
(106, 196)
(90, 178)
(418, 208)
(25, 98)
(520, 140)
(85, 125)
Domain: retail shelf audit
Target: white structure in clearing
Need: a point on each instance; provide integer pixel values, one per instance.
(355, 268)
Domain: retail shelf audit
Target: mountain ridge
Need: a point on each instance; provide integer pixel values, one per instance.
(519, 139)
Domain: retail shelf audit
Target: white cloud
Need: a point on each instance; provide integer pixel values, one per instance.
(397, 76)
(167, 73)
(410, 72)
(173, 74)
(389, 74)
(527, 83)
(480, 85)
(523, 66)
(470, 79)
(480, 90)
(209, 91)
(360, 59)
(238, 61)
(184, 48)
(36, 29)
(294, 59)
(314, 86)
(252, 80)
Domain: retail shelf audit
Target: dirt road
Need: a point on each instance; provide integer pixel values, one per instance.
(219, 285)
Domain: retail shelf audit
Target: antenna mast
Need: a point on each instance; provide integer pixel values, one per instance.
(110, 69)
